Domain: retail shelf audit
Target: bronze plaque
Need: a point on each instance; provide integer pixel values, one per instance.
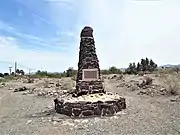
(90, 74)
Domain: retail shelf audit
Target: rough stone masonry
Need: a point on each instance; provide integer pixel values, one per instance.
(89, 98)
(88, 60)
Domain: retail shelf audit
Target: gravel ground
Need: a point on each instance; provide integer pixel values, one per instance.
(145, 115)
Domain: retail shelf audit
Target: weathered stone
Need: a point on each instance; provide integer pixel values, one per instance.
(105, 105)
(20, 89)
(97, 111)
(87, 32)
(103, 113)
(96, 107)
(87, 107)
(112, 110)
(87, 112)
(66, 112)
(87, 60)
(76, 111)
(116, 108)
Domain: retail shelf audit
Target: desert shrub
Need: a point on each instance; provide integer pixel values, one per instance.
(73, 78)
(67, 85)
(164, 71)
(70, 72)
(105, 72)
(146, 81)
(171, 83)
(6, 74)
(7, 78)
(111, 70)
(1, 75)
(2, 80)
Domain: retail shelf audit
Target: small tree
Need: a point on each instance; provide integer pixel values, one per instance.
(138, 67)
(152, 65)
(143, 63)
(147, 66)
(6, 74)
(17, 71)
(1, 75)
(130, 69)
(177, 69)
(22, 72)
(114, 70)
(133, 68)
(41, 73)
(70, 72)
(105, 72)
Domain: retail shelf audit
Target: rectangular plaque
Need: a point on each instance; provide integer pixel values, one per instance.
(90, 74)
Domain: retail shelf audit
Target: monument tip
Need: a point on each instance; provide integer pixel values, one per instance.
(87, 31)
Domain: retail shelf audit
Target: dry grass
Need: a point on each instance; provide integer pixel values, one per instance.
(171, 83)
(67, 84)
(7, 78)
(165, 71)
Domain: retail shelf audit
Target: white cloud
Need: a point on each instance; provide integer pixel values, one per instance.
(126, 31)
(43, 60)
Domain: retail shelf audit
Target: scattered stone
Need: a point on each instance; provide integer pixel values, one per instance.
(21, 89)
(10, 89)
(28, 122)
(55, 122)
(29, 80)
(85, 121)
(25, 93)
(145, 82)
(142, 92)
(56, 119)
(65, 123)
(175, 99)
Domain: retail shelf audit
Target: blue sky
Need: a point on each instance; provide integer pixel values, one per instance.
(44, 34)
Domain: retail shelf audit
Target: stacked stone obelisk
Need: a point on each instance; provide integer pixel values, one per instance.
(88, 60)
(89, 98)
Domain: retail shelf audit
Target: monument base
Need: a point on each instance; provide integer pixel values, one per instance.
(98, 104)
(88, 87)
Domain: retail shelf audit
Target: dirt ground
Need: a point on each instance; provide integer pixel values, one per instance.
(147, 113)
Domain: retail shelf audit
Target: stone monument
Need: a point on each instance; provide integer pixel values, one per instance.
(89, 98)
(88, 76)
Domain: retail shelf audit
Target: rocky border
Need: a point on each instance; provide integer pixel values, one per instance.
(86, 108)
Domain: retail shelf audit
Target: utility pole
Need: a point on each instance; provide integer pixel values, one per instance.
(15, 68)
(29, 72)
(10, 70)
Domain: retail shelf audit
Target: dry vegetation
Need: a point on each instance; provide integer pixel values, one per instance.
(171, 81)
(152, 105)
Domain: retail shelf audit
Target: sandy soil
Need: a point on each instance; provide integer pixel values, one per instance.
(34, 115)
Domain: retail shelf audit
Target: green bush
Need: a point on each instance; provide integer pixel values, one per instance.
(68, 73)
(111, 70)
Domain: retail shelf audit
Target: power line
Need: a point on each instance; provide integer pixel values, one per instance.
(5, 62)
(16, 65)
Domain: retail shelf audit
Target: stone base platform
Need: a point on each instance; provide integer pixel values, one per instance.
(88, 87)
(98, 104)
